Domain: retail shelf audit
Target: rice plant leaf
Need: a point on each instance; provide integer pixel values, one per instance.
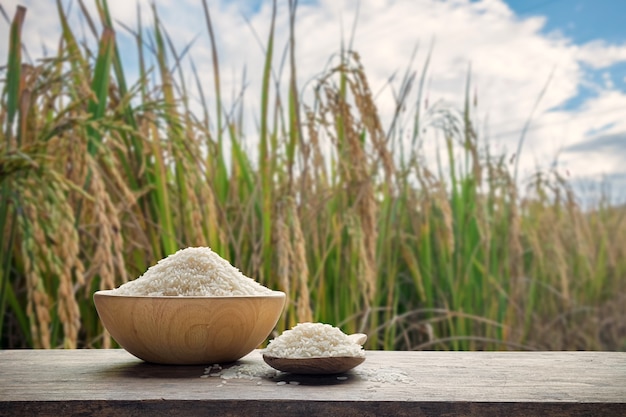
(265, 164)
(8, 217)
(216, 68)
(14, 73)
(100, 85)
(77, 60)
(295, 126)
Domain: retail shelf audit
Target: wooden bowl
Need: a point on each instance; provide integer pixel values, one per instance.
(189, 330)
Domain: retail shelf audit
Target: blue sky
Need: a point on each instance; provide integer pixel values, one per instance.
(582, 21)
(577, 48)
(586, 21)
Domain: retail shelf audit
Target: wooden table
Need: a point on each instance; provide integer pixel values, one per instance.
(112, 382)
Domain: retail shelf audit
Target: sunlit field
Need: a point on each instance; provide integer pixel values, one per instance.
(102, 176)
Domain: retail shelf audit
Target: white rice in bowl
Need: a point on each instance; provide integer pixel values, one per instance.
(308, 340)
(194, 271)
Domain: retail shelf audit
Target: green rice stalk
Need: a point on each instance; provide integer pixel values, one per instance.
(8, 216)
(161, 195)
(100, 86)
(14, 76)
(218, 165)
(265, 163)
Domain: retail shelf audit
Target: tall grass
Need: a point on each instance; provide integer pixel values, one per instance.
(100, 178)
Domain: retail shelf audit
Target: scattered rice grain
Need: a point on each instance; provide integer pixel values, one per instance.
(248, 371)
(389, 376)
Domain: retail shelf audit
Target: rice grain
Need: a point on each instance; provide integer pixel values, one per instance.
(310, 340)
(194, 271)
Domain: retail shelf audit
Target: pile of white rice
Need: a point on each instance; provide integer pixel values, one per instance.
(307, 340)
(193, 272)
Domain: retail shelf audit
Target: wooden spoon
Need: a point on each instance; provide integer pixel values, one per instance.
(323, 365)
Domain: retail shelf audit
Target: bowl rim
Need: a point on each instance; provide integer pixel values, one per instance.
(112, 293)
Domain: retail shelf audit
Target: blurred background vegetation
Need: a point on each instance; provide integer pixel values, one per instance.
(100, 179)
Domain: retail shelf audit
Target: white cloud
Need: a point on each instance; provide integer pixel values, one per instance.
(39, 23)
(511, 61)
(598, 54)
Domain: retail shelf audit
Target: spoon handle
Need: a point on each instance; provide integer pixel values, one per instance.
(358, 338)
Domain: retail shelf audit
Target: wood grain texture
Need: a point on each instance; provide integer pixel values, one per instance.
(189, 330)
(112, 382)
(314, 366)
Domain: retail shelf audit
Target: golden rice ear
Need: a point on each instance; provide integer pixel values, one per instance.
(284, 252)
(301, 267)
(50, 251)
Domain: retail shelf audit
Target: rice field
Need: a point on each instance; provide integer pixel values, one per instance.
(101, 176)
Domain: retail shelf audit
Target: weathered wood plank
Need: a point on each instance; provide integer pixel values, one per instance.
(108, 382)
(304, 407)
